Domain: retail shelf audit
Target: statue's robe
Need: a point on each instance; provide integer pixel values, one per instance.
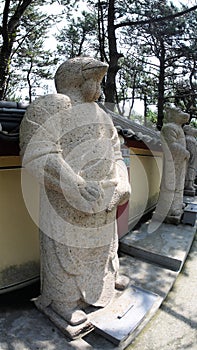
(191, 145)
(78, 238)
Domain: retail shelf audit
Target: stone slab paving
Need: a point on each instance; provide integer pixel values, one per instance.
(174, 326)
(187, 199)
(150, 278)
(168, 246)
(23, 327)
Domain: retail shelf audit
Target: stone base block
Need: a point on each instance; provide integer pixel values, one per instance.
(119, 320)
(190, 213)
(72, 332)
(173, 220)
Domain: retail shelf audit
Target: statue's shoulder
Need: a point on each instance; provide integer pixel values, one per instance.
(47, 104)
(42, 114)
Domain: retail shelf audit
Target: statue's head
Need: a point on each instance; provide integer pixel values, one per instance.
(82, 74)
(174, 114)
(188, 130)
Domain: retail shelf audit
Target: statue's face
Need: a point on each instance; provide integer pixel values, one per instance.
(91, 90)
(193, 132)
(177, 116)
(181, 117)
(188, 130)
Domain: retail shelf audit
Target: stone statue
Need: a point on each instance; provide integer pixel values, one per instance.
(70, 144)
(191, 144)
(170, 204)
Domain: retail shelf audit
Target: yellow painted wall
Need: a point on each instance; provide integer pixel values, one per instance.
(145, 178)
(19, 239)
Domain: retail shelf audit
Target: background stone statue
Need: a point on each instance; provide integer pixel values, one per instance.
(170, 204)
(191, 145)
(70, 144)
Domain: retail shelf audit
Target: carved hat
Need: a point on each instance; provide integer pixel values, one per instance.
(72, 73)
(173, 113)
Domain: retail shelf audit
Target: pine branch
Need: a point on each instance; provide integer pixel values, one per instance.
(156, 20)
(15, 19)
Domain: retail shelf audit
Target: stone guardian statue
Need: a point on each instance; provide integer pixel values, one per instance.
(175, 155)
(71, 145)
(191, 145)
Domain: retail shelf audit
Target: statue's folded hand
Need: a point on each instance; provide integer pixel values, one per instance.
(91, 191)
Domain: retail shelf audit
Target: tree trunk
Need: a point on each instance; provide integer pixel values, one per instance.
(5, 53)
(8, 33)
(5, 50)
(110, 85)
(101, 32)
(161, 88)
(145, 109)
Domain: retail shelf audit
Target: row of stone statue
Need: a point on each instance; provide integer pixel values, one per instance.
(179, 146)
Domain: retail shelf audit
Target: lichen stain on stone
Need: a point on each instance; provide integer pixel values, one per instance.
(18, 273)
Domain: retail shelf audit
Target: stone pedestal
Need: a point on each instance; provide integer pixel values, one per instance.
(190, 213)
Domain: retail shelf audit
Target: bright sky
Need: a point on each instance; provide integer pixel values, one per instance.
(54, 8)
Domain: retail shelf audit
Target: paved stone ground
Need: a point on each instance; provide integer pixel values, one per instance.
(175, 324)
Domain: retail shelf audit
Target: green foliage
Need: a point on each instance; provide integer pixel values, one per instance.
(22, 35)
(151, 118)
(185, 96)
(137, 118)
(30, 54)
(156, 62)
(193, 123)
(78, 37)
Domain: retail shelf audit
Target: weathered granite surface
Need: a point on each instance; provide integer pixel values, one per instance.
(170, 204)
(23, 327)
(167, 246)
(70, 144)
(191, 145)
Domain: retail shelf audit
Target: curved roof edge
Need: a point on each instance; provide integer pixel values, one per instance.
(134, 133)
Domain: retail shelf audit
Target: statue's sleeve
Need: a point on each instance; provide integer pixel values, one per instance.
(123, 189)
(42, 153)
(116, 145)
